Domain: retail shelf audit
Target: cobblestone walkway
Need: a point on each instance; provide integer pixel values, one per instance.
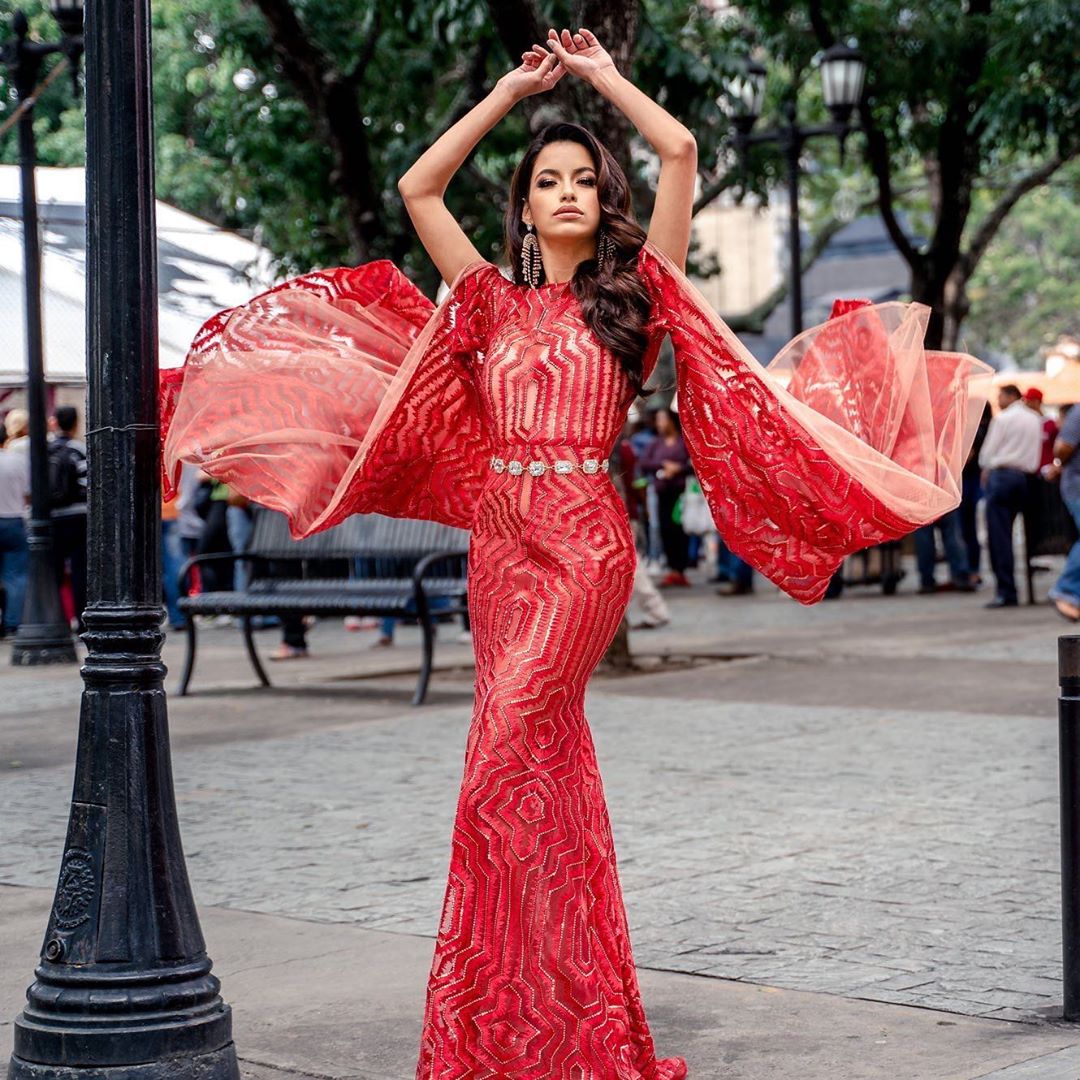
(896, 856)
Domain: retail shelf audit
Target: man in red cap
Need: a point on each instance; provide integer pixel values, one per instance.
(1033, 399)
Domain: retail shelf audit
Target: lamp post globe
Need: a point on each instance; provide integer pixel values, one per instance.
(843, 72)
(745, 96)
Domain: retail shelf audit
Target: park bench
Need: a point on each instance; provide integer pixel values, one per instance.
(414, 563)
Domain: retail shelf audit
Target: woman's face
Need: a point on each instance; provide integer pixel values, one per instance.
(563, 178)
(664, 424)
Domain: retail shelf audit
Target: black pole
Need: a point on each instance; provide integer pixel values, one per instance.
(792, 149)
(1069, 775)
(44, 635)
(124, 989)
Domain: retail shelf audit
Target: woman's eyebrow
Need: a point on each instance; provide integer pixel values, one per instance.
(580, 168)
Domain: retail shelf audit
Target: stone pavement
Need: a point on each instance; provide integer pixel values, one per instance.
(338, 1002)
(861, 804)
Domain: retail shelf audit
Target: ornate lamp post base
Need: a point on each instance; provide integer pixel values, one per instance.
(49, 649)
(219, 1065)
(124, 986)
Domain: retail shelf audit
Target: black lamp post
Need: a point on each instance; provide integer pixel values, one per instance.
(123, 989)
(44, 636)
(842, 75)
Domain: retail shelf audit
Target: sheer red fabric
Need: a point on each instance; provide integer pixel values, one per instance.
(855, 433)
(346, 392)
(338, 392)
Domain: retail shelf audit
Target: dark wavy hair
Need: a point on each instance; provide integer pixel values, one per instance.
(614, 301)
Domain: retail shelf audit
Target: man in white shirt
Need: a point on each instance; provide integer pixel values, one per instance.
(1010, 456)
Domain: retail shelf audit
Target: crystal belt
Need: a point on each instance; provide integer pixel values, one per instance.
(536, 467)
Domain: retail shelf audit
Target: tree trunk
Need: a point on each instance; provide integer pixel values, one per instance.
(332, 101)
(957, 304)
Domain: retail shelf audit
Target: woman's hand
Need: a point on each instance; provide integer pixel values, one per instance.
(540, 70)
(580, 53)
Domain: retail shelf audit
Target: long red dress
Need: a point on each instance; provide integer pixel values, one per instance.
(346, 391)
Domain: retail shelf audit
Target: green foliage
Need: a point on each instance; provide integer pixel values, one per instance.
(58, 123)
(237, 145)
(1016, 66)
(1026, 291)
(234, 143)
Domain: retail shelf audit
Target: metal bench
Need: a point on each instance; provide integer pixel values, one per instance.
(423, 560)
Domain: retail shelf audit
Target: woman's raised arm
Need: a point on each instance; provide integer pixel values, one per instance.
(422, 187)
(669, 227)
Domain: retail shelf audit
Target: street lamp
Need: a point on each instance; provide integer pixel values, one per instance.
(44, 636)
(843, 72)
(123, 989)
(747, 94)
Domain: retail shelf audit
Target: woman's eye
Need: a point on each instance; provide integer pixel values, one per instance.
(590, 180)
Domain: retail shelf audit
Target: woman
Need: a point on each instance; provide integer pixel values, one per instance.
(343, 392)
(666, 462)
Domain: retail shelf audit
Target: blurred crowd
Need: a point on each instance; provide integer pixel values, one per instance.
(1023, 462)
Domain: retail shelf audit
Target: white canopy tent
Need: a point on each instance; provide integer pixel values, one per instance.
(201, 270)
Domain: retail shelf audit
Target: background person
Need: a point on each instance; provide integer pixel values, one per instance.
(1010, 455)
(14, 498)
(1065, 594)
(667, 461)
(67, 505)
(948, 527)
(1033, 399)
(971, 497)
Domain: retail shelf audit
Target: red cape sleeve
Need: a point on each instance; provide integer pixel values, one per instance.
(855, 434)
(339, 392)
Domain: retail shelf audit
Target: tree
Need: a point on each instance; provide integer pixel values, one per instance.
(58, 119)
(1025, 293)
(959, 95)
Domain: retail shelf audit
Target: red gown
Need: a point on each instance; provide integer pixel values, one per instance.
(347, 391)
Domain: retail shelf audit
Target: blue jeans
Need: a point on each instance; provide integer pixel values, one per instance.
(1006, 494)
(172, 558)
(1067, 587)
(240, 525)
(435, 603)
(654, 547)
(14, 566)
(730, 567)
(926, 550)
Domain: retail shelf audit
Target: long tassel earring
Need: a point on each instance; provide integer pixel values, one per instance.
(531, 263)
(605, 250)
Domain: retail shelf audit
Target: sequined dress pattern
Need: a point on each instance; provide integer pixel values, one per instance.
(346, 391)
